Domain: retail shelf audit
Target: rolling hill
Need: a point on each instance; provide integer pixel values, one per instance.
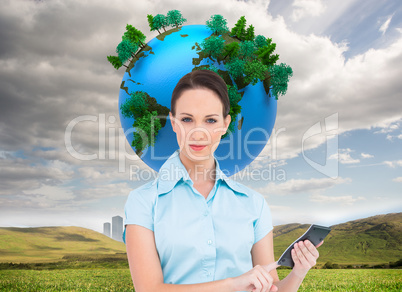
(50, 244)
(373, 240)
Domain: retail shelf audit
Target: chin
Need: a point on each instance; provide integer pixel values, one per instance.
(203, 154)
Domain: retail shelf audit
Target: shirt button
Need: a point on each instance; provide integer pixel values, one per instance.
(206, 213)
(209, 242)
(209, 273)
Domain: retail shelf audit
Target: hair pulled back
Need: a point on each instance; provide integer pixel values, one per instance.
(200, 79)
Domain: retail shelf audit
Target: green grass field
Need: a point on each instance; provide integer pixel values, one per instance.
(352, 280)
(79, 259)
(120, 280)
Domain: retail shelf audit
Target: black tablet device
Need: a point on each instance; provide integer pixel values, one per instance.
(315, 234)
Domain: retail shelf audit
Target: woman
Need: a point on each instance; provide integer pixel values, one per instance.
(193, 229)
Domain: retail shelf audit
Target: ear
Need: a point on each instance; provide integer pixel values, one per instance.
(226, 122)
(228, 119)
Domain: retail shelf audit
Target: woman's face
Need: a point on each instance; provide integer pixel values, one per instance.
(199, 121)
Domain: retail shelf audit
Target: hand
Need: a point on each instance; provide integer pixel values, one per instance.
(257, 279)
(304, 255)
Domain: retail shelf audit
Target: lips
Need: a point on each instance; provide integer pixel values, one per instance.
(197, 147)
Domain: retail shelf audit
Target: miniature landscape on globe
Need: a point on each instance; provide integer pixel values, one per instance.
(246, 62)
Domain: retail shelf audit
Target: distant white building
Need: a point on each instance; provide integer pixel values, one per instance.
(106, 228)
(117, 228)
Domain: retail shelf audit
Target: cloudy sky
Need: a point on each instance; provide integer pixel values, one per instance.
(335, 153)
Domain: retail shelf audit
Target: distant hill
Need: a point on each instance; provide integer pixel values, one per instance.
(373, 240)
(50, 244)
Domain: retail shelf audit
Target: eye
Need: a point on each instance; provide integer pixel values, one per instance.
(209, 121)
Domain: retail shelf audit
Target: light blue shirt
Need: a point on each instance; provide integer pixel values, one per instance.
(199, 240)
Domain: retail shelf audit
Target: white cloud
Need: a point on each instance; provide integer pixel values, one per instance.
(100, 174)
(64, 198)
(306, 8)
(108, 190)
(263, 163)
(388, 127)
(397, 179)
(366, 155)
(344, 157)
(293, 186)
(343, 200)
(54, 193)
(385, 25)
(390, 131)
(278, 208)
(18, 174)
(393, 163)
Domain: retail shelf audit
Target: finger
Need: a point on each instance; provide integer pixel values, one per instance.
(273, 288)
(271, 266)
(310, 258)
(261, 282)
(295, 259)
(312, 249)
(256, 283)
(318, 245)
(299, 253)
(269, 279)
(304, 249)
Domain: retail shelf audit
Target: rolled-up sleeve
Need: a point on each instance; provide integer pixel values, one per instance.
(138, 210)
(264, 223)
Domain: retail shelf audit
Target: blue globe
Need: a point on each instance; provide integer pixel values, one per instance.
(157, 71)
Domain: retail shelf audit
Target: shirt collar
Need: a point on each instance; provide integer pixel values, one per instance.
(173, 170)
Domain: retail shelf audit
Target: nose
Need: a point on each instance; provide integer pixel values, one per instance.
(198, 134)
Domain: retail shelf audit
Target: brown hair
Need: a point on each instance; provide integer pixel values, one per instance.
(202, 79)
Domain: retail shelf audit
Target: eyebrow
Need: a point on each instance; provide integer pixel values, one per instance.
(192, 115)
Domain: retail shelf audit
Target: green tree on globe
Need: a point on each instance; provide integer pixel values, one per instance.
(174, 18)
(218, 24)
